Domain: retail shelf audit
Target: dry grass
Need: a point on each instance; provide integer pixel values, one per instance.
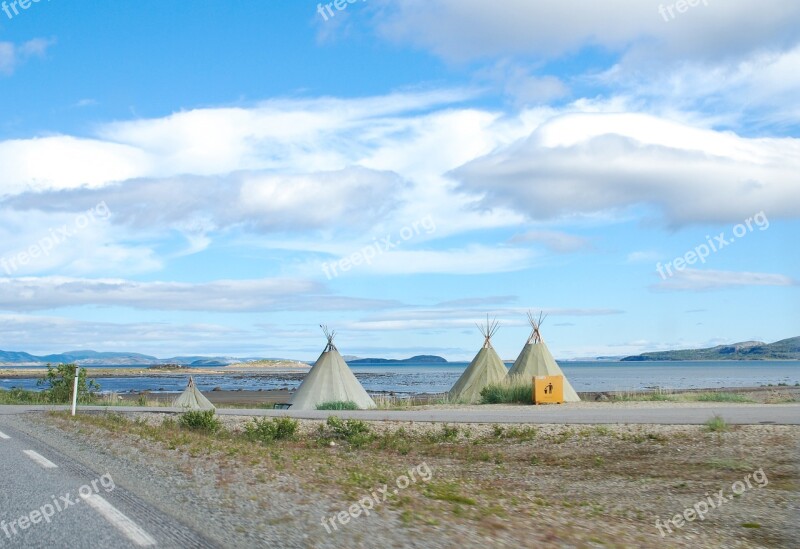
(547, 485)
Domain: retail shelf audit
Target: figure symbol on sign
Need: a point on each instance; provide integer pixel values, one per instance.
(549, 389)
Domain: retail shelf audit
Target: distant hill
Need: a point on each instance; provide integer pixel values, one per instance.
(785, 349)
(94, 358)
(427, 359)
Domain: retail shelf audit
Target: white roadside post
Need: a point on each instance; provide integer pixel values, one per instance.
(75, 390)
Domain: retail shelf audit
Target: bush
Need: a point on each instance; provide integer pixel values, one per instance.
(716, 425)
(60, 381)
(338, 405)
(355, 432)
(508, 391)
(200, 420)
(267, 430)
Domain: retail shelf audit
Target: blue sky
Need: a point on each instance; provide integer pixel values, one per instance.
(183, 178)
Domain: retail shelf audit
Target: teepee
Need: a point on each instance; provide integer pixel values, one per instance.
(536, 360)
(330, 380)
(486, 368)
(192, 399)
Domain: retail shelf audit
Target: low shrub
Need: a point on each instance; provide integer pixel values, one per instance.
(200, 420)
(356, 432)
(716, 425)
(266, 430)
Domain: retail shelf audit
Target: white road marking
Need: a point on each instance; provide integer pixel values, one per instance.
(122, 523)
(40, 459)
(4, 436)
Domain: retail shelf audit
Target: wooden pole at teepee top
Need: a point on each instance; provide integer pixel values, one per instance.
(330, 335)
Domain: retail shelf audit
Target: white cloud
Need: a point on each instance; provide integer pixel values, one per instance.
(555, 241)
(470, 260)
(41, 335)
(12, 55)
(755, 91)
(258, 200)
(701, 280)
(32, 294)
(590, 163)
(643, 256)
(462, 30)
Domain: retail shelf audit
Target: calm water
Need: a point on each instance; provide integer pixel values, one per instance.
(437, 378)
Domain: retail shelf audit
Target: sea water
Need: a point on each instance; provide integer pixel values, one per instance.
(408, 378)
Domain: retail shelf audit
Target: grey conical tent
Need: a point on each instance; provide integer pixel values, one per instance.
(536, 360)
(486, 368)
(330, 380)
(192, 399)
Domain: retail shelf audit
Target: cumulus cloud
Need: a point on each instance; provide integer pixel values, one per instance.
(702, 280)
(278, 136)
(33, 294)
(589, 163)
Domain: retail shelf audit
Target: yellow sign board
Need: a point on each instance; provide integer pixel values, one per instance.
(548, 389)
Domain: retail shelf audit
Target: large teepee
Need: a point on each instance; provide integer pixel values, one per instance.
(486, 368)
(192, 399)
(330, 380)
(536, 360)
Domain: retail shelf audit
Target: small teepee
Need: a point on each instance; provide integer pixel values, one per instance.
(486, 368)
(536, 360)
(330, 380)
(192, 399)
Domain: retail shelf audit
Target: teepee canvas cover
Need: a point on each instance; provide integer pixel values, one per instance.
(191, 398)
(486, 368)
(330, 380)
(536, 360)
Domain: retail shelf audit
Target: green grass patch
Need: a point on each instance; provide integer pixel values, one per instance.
(721, 397)
(338, 405)
(447, 491)
(21, 396)
(508, 391)
(656, 396)
(446, 434)
(521, 434)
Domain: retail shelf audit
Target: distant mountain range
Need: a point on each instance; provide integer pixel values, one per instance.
(94, 358)
(785, 349)
(426, 359)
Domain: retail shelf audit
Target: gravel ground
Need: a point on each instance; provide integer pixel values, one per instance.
(567, 487)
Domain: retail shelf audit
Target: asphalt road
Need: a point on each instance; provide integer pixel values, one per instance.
(657, 413)
(50, 501)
